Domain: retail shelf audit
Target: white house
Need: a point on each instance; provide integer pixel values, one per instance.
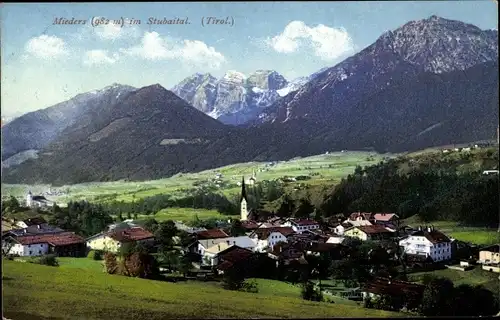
(37, 201)
(428, 242)
(335, 240)
(301, 225)
(242, 242)
(268, 237)
(28, 247)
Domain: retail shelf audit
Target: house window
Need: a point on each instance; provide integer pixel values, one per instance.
(39, 251)
(30, 253)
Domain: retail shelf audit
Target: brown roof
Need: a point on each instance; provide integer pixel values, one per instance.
(233, 255)
(34, 221)
(304, 222)
(60, 239)
(212, 234)
(130, 234)
(433, 236)
(323, 247)
(250, 225)
(392, 287)
(385, 216)
(374, 229)
(264, 233)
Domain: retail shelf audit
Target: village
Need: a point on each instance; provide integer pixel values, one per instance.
(261, 244)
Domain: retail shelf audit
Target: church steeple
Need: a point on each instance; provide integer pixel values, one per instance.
(243, 201)
(243, 190)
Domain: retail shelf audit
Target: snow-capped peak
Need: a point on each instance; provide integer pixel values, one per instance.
(235, 76)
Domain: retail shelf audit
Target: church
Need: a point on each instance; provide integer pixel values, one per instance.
(249, 214)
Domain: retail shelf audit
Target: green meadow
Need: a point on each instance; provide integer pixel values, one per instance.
(33, 291)
(323, 169)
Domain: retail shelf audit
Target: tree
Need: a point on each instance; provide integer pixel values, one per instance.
(184, 265)
(237, 229)
(286, 208)
(233, 279)
(308, 292)
(304, 209)
(436, 298)
(164, 233)
(151, 225)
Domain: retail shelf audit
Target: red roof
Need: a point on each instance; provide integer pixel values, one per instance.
(374, 229)
(211, 234)
(59, 239)
(131, 234)
(385, 216)
(304, 222)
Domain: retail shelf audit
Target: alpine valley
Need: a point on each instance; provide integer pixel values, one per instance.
(428, 83)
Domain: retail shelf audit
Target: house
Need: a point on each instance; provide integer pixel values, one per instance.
(268, 237)
(181, 226)
(385, 218)
(61, 244)
(211, 234)
(210, 256)
(31, 222)
(373, 232)
(490, 255)
(201, 246)
(113, 240)
(357, 223)
(386, 286)
(37, 201)
(250, 225)
(356, 216)
(34, 230)
(336, 251)
(235, 257)
(126, 224)
(335, 239)
(6, 226)
(428, 242)
(487, 172)
(301, 225)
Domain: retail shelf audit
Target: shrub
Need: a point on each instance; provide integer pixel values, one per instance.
(47, 260)
(95, 255)
(111, 263)
(310, 293)
(250, 286)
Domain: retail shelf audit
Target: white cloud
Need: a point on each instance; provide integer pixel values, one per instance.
(327, 43)
(46, 47)
(99, 57)
(193, 52)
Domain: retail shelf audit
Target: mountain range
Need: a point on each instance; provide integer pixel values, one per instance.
(237, 99)
(430, 82)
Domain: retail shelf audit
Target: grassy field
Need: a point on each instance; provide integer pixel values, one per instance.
(480, 236)
(327, 168)
(36, 292)
(477, 276)
(184, 214)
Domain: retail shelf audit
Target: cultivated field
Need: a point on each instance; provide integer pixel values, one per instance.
(480, 236)
(476, 276)
(327, 168)
(35, 292)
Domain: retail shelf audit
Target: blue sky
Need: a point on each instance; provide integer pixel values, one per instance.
(43, 64)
